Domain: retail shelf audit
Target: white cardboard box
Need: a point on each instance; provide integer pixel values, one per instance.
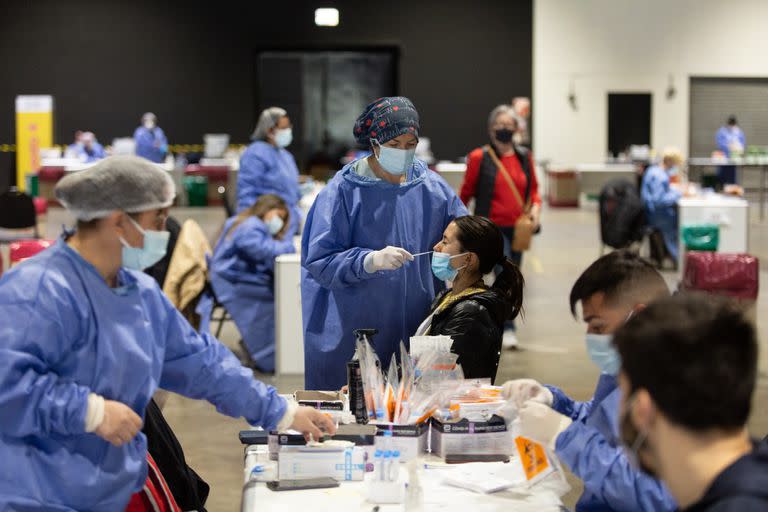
(342, 465)
(410, 440)
(469, 437)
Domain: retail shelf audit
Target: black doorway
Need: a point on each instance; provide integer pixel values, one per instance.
(323, 92)
(629, 121)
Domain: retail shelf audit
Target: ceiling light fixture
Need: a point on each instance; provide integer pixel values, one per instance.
(327, 17)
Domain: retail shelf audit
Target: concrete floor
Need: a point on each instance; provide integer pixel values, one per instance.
(552, 349)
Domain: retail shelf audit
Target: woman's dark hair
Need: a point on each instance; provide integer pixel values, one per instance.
(481, 236)
(260, 208)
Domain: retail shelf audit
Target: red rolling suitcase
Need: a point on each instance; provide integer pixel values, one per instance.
(731, 275)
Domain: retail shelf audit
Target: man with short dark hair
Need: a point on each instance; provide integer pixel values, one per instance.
(689, 365)
(584, 435)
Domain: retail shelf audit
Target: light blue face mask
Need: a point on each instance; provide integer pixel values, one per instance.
(275, 225)
(155, 247)
(284, 137)
(395, 161)
(441, 266)
(603, 354)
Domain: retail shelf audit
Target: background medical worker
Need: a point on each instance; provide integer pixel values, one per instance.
(151, 142)
(242, 273)
(266, 167)
(730, 139)
(358, 269)
(85, 341)
(90, 150)
(660, 198)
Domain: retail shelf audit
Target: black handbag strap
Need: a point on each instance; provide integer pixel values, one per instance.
(524, 156)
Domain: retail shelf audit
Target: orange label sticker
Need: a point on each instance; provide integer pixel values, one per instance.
(532, 456)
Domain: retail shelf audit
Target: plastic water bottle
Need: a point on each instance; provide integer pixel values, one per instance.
(414, 494)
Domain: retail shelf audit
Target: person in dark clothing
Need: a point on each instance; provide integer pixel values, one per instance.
(159, 270)
(188, 489)
(470, 312)
(501, 178)
(689, 365)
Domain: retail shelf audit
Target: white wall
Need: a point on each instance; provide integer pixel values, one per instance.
(633, 46)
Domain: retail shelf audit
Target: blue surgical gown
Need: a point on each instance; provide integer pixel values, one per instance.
(64, 334)
(242, 275)
(151, 144)
(591, 447)
(95, 154)
(265, 169)
(660, 203)
(351, 217)
(724, 137)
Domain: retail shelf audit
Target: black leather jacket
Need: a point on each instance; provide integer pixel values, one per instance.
(476, 324)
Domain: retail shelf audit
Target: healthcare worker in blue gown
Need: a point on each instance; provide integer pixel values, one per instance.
(587, 436)
(357, 265)
(660, 198)
(266, 167)
(85, 341)
(151, 142)
(90, 151)
(242, 273)
(730, 139)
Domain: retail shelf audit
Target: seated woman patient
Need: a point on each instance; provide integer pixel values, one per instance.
(470, 312)
(242, 273)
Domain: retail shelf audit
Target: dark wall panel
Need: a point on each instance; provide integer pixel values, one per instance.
(192, 63)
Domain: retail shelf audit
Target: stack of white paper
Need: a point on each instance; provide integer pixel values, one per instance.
(486, 477)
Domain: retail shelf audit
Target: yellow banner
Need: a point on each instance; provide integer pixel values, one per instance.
(34, 131)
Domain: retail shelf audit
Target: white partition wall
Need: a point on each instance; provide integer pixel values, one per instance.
(592, 47)
(289, 333)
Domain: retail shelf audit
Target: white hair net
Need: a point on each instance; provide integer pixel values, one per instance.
(268, 119)
(128, 183)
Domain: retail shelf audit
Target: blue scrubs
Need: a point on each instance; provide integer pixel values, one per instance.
(265, 169)
(353, 216)
(242, 275)
(64, 334)
(151, 144)
(591, 447)
(95, 154)
(660, 202)
(724, 137)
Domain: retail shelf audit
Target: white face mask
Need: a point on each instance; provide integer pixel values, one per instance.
(395, 161)
(153, 250)
(275, 225)
(149, 125)
(603, 354)
(284, 137)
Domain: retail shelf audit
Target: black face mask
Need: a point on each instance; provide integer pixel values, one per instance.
(634, 442)
(504, 135)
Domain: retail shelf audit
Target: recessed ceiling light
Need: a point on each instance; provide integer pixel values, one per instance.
(326, 17)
